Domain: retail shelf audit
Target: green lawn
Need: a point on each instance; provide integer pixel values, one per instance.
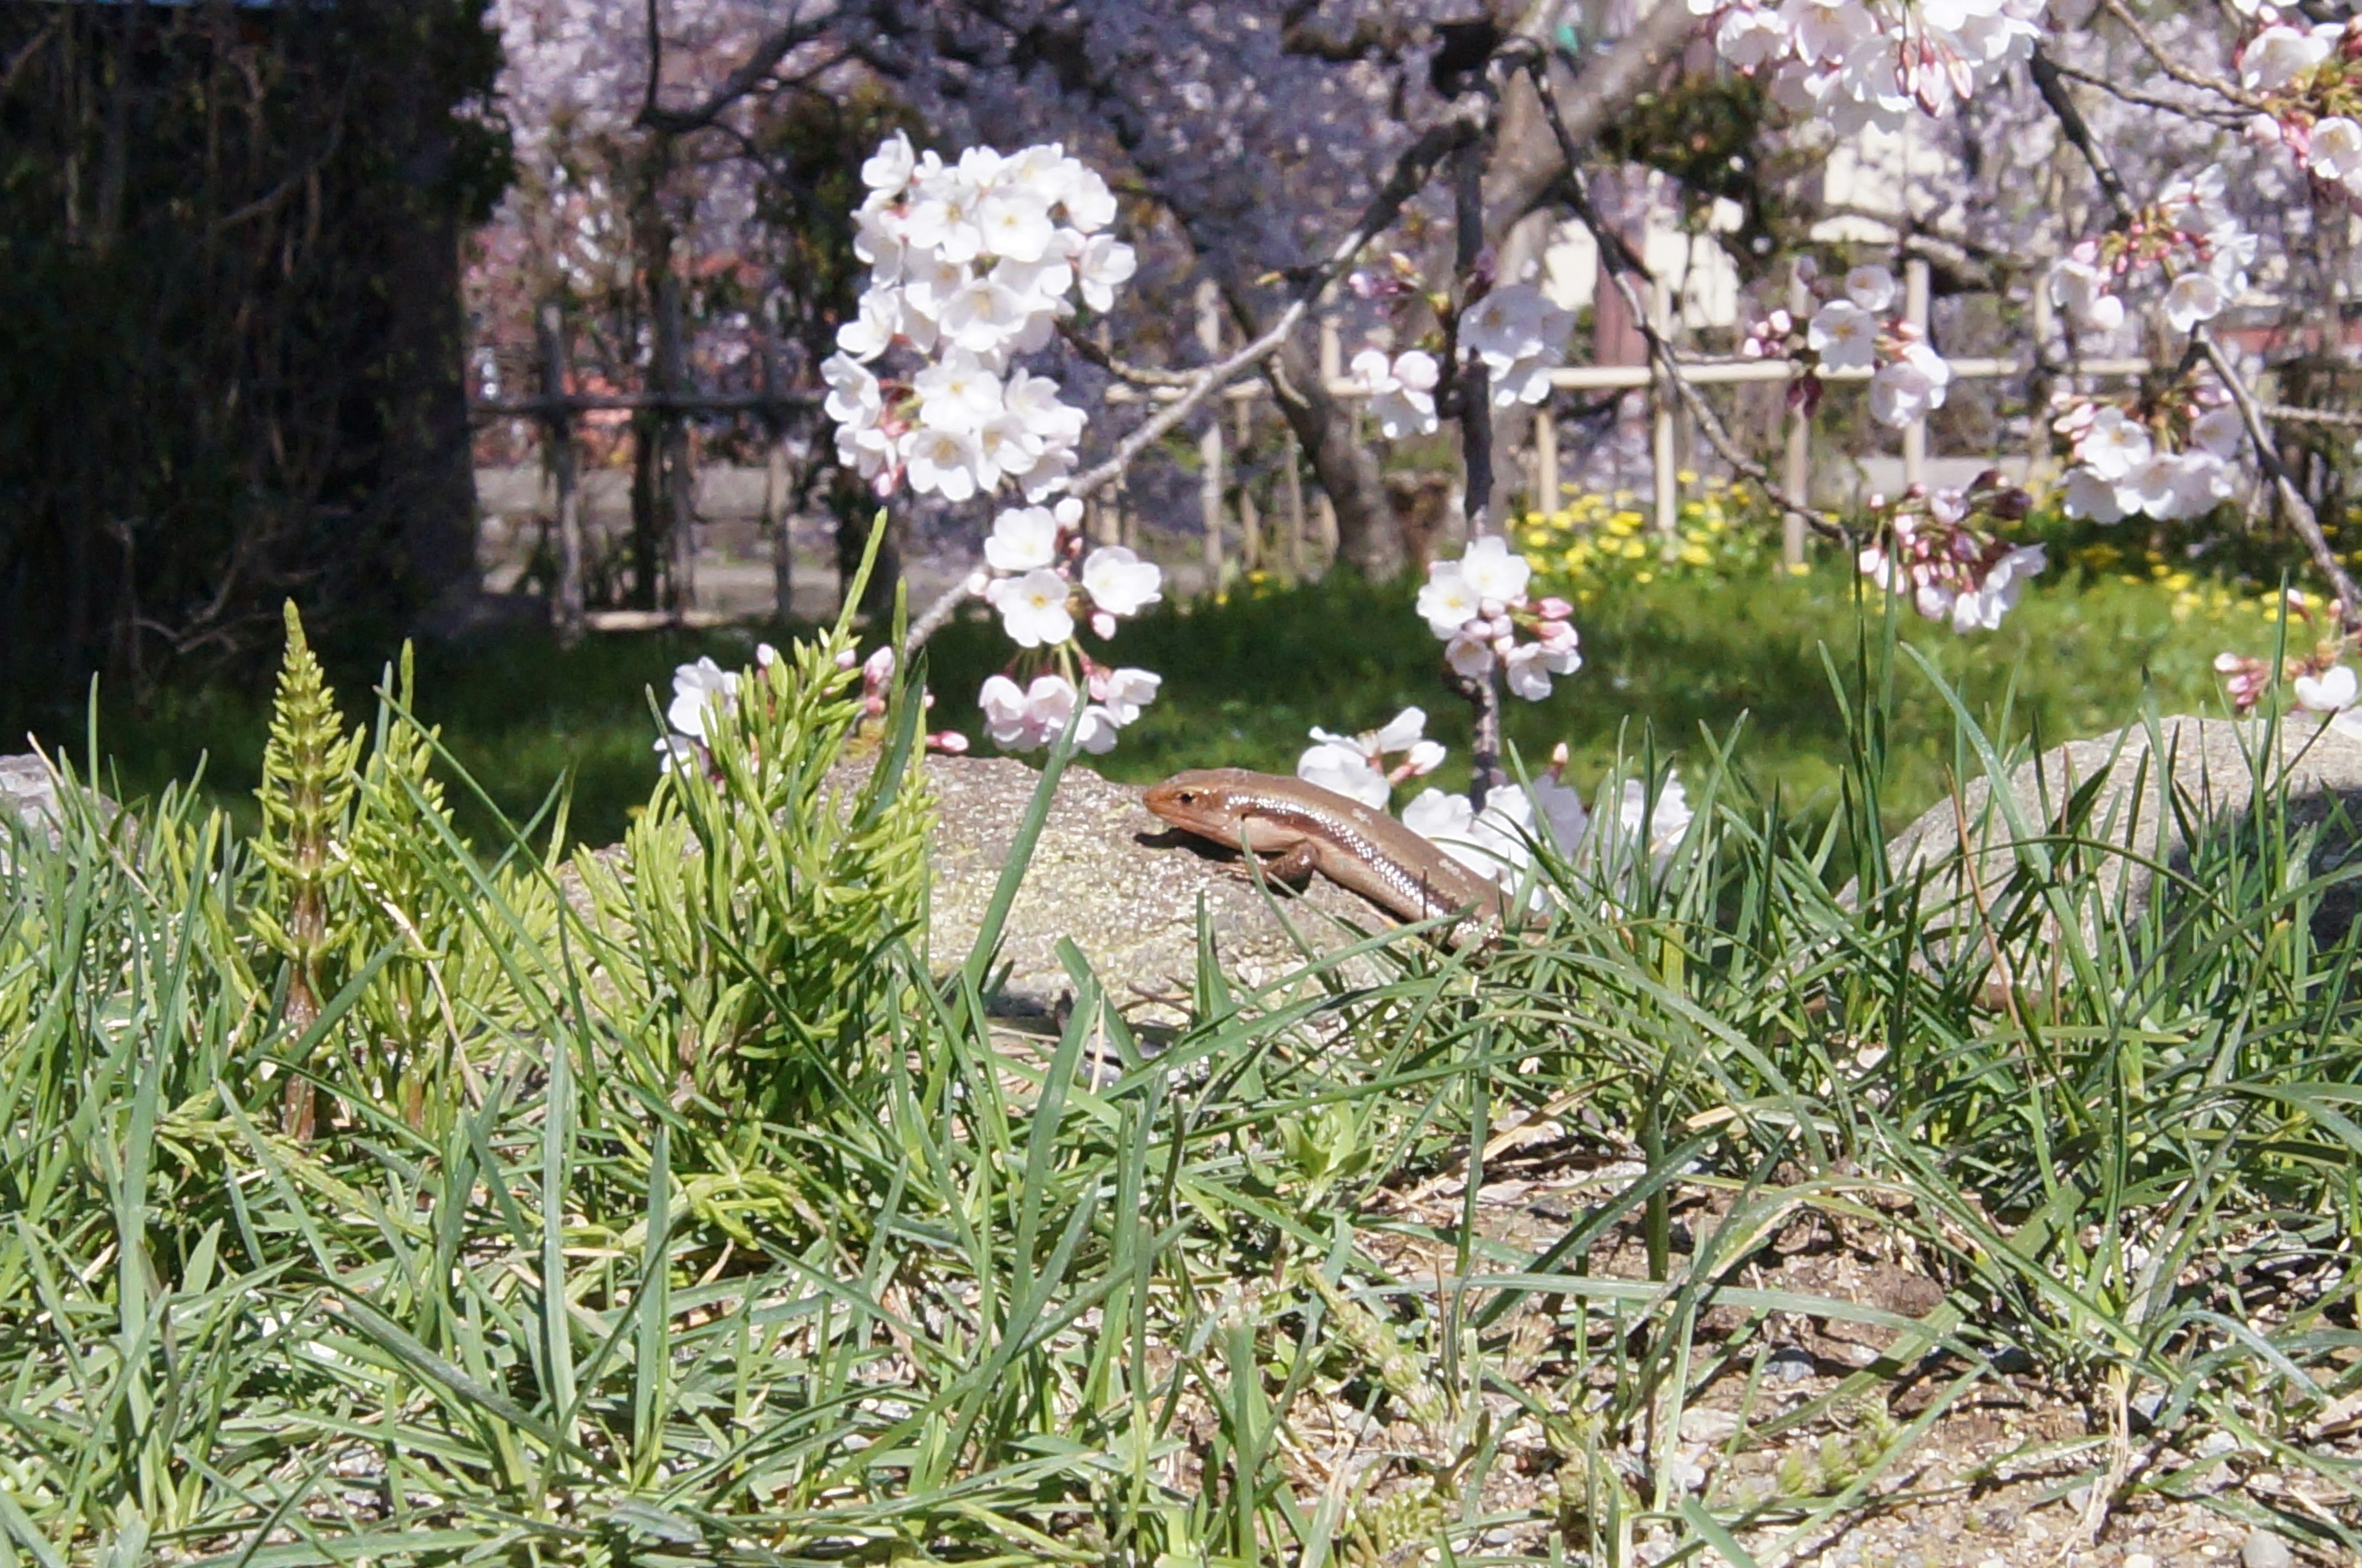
(1245, 679)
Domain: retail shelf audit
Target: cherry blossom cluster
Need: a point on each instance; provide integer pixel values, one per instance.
(1933, 547)
(702, 689)
(969, 264)
(1515, 330)
(2310, 81)
(1499, 841)
(1859, 330)
(1356, 766)
(2321, 682)
(2186, 239)
(1478, 606)
(1038, 577)
(2168, 456)
(1871, 62)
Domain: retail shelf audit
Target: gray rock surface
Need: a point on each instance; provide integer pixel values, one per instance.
(2208, 765)
(29, 791)
(1113, 878)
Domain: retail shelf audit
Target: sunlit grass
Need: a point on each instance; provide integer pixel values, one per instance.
(1245, 679)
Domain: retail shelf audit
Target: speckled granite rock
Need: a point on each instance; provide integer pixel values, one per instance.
(2205, 762)
(1116, 880)
(28, 790)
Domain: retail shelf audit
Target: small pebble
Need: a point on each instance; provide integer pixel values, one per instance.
(2263, 1550)
(2139, 1560)
(1788, 1366)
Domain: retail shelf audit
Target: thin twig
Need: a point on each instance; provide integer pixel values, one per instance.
(1123, 371)
(1622, 266)
(2228, 118)
(1471, 406)
(2166, 62)
(1409, 175)
(2293, 504)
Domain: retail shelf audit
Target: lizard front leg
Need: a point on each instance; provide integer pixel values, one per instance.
(1294, 866)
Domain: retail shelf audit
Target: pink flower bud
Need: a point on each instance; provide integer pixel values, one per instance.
(1554, 609)
(950, 741)
(878, 668)
(1102, 624)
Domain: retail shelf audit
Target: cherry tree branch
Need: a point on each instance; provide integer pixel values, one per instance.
(1623, 266)
(2293, 504)
(1122, 369)
(1409, 175)
(750, 76)
(2175, 69)
(2229, 120)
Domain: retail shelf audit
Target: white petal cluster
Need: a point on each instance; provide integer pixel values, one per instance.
(1045, 586)
(1871, 62)
(2275, 56)
(1355, 766)
(2182, 466)
(1932, 551)
(1499, 840)
(1027, 718)
(1401, 391)
(1521, 338)
(2188, 240)
(1855, 331)
(970, 263)
(1478, 606)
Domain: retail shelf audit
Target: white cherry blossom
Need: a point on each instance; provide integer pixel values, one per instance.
(1119, 582)
(1023, 539)
(1401, 392)
(2329, 691)
(1033, 608)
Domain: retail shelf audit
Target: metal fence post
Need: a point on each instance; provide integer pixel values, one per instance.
(676, 480)
(779, 517)
(566, 610)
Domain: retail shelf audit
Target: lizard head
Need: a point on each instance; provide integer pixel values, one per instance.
(1194, 801)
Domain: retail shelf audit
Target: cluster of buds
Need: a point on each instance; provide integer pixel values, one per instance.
(2309, 79)
(1857, 330)
(1478, 606)
(2167, 456)
(1937, 546)
(2186, 237)
(2321, 682)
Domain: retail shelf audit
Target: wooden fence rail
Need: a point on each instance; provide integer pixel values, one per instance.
(1310, 536)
